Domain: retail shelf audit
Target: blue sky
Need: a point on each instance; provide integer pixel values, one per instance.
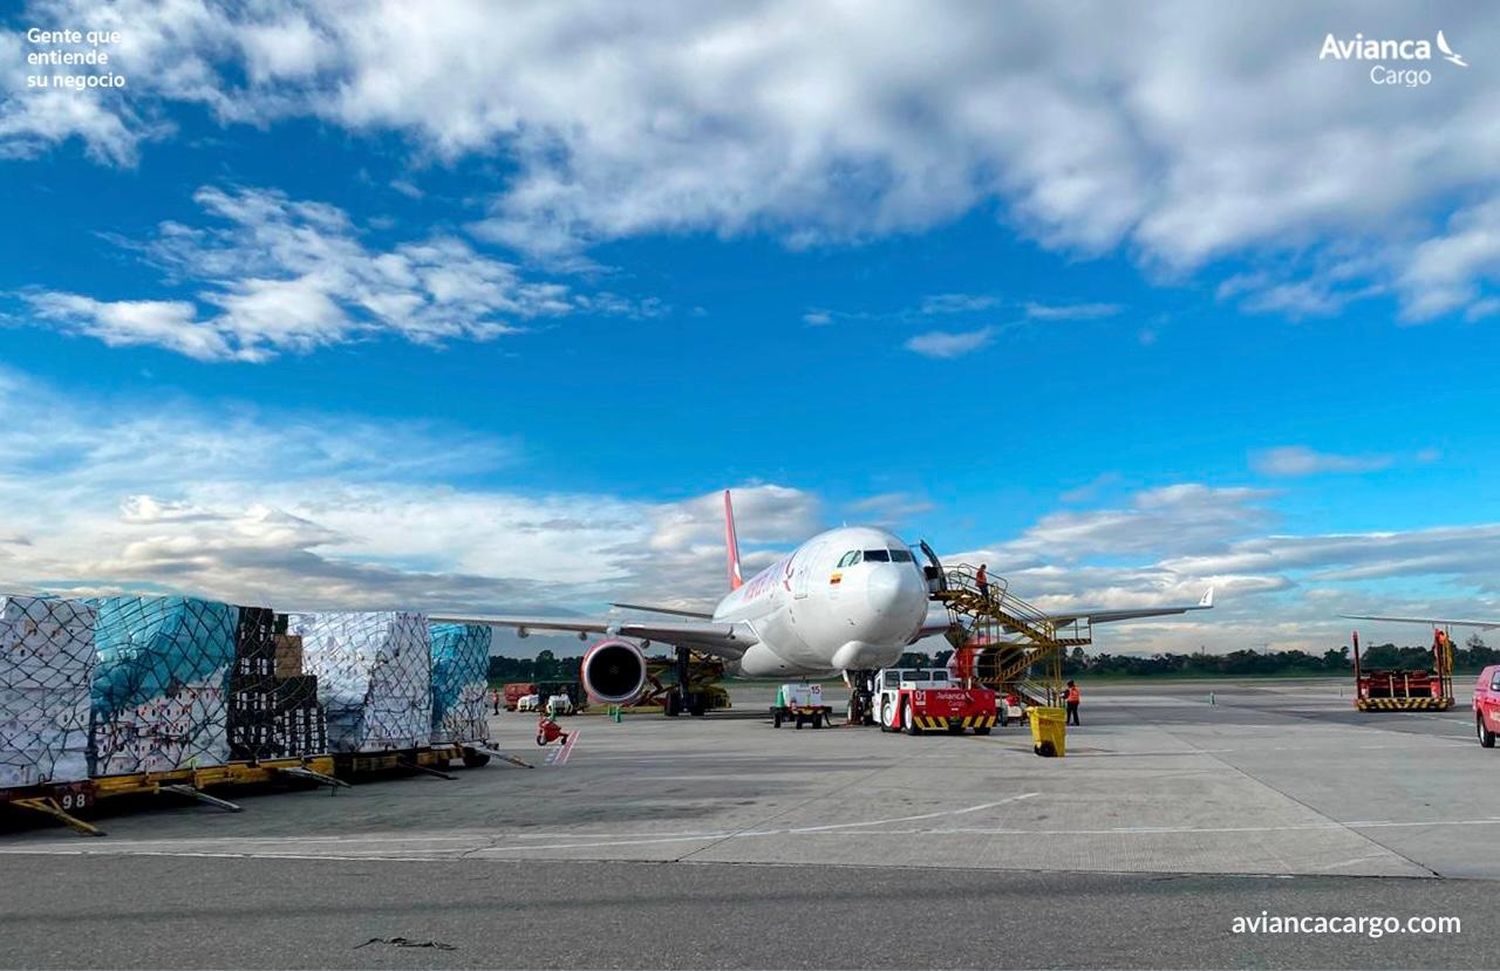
(297, 317)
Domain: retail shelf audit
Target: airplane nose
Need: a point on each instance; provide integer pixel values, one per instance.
(894, 592)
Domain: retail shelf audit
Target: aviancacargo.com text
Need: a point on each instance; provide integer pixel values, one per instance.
(1372, 926)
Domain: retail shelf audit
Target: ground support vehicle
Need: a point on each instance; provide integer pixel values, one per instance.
(1390, 690)
(801, 704)
(916, 700)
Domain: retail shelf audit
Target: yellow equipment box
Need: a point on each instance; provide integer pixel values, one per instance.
(1048, 731)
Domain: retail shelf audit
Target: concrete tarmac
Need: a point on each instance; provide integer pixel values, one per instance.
(723, 842)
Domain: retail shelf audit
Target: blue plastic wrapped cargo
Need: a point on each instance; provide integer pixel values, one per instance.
(460, 679)
(160, 683)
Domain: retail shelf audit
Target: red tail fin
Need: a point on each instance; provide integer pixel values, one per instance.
(732, 545)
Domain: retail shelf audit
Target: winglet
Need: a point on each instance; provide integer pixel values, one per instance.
(732, 545)
(1208, 599)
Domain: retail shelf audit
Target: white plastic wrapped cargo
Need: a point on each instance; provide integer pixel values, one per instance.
(46, 666)
(374, 677)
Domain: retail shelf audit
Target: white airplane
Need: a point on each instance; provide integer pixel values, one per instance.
(848, 601)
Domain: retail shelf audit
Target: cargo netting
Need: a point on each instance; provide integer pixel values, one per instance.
(374, 677)
(46, 664)
(161, 683)
(460, 682)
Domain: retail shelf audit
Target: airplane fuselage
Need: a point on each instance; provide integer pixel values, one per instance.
(848, 599)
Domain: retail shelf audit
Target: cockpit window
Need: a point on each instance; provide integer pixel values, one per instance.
(901, 556)
(877, 556)
(850, 558)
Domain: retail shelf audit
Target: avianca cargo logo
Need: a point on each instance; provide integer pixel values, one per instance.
(1362, 48)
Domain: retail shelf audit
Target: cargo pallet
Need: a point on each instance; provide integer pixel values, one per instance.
(63, 800)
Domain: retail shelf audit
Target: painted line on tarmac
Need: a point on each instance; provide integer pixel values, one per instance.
(559, 756)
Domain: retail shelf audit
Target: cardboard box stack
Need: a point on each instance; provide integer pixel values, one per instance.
(373, 675)
(460, 682)
(46, 664)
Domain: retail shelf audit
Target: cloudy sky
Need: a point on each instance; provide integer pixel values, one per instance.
(477, 305)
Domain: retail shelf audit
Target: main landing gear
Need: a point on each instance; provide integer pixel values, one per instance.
(681, 698)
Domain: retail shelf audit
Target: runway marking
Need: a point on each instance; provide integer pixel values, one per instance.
(559, 756)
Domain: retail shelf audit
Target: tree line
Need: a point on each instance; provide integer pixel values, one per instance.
(1473, 655)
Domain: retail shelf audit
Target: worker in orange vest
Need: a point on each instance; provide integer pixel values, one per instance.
(982, 579)
(1071, 696)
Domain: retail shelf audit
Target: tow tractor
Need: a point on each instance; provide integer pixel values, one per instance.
(801, 704)
(916, 700)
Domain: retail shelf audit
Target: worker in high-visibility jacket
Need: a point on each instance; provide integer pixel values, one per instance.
(1072, 697)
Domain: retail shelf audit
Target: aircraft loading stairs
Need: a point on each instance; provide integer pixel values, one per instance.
(1005, 643)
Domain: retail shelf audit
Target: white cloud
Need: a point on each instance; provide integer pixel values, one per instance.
(291, 276)
(291, 509)
(1165, 132)
(1291, 460)
(1075, 311)
(1298, 460)
(956, 303)
(817, 318)
(943, 344)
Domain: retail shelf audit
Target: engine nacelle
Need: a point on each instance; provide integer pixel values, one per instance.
(614, 672)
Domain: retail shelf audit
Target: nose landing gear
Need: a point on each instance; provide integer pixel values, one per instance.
(861, 697)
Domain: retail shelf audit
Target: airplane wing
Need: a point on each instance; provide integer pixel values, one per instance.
(1434, 621)
(721, 640)
(1105, 615)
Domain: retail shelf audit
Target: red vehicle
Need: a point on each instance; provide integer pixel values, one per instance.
(1487, 705)
(515, 691)
(917, 700)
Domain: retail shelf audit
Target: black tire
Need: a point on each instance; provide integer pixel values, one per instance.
(1046, 750)
(672, 707)
(1486, 737)
(908, 721)
(775, 719)
(885, 721)
(800, 720)
(955, 728)
(475, 760)
(541, 740)
(817, 719)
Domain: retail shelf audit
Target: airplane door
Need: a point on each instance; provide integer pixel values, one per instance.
(802, 575)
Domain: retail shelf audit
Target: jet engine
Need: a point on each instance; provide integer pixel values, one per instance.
(614, 672)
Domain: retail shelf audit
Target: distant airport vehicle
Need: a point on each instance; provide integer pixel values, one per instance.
(531, 702)
(559, 704)
(916, 700)
(846, 602)
(801, 704)
(517, 690)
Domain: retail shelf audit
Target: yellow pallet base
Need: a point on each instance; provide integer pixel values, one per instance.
(1403, 704)
(230, 774)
